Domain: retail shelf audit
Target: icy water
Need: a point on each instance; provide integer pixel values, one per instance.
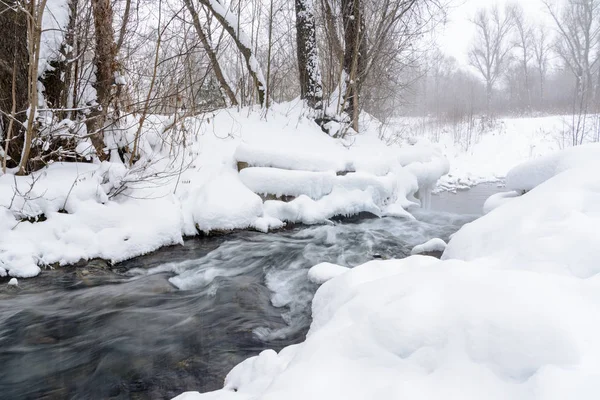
(181, 318)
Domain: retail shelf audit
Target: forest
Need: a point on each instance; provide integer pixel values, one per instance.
(76, 74)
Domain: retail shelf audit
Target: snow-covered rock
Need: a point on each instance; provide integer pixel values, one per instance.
(433, 245)
(498, 199)
(324, 272)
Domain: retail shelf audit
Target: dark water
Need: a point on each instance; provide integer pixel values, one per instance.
(181, 318)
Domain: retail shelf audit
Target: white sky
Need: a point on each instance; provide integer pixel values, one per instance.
(456, 38)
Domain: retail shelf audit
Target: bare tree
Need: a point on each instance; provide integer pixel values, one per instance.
(541, 50)
(14, 59)
(228, 20)
(355, 52)
(524, 44)
(106, 67)
(228, 94)
(490, 52)
(35, 13)
(578, 28)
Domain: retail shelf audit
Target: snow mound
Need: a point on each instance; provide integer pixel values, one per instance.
(314, 161)
(530, 174)
(340, 202)
(324, 272)
(553, 227)
(281, 182)
(498, 199)
(432, 245)
(224, 203)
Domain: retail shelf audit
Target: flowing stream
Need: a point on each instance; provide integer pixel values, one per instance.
(179, 319)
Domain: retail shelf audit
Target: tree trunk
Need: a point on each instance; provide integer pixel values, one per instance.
(57, 81)
(489, 92)
(14, 60)
(311, 88)
(106, 66)
(228, 94)
(354, 56)
(228, 20)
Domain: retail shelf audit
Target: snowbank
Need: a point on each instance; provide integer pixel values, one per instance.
(315, 161)
(498, 199)
(483, 150)
(533, 173)
(511, 311)
(69, 212)
(436, 244)
(556, 225)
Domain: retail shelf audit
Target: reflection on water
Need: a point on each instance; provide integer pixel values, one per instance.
(181, 318)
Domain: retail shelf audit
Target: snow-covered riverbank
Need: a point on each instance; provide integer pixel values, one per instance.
(69, 212)
(511, 311)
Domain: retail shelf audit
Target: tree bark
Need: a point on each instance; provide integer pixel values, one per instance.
(57, 81)
(228, 94)
(311, 88)
(354, 56)
(106, 66)
(14, 60)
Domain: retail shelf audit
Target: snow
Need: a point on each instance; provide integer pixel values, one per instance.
(13, 282)
(435, 244)
(531, 174)
(69, 212)
(311, 160)
(482, 150)
(231, 19)
(499, 199)
(324, 272)
(286, 182)
(54, 22)
(556, 223)
(511, 311)
(224, 203)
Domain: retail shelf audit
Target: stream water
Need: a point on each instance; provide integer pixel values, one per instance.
(179, 319)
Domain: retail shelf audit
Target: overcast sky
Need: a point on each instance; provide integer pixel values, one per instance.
(457, 35)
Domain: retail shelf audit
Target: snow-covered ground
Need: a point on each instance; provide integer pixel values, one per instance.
(69, 211)
(112, 212)
(482, 150)
(512, 311)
